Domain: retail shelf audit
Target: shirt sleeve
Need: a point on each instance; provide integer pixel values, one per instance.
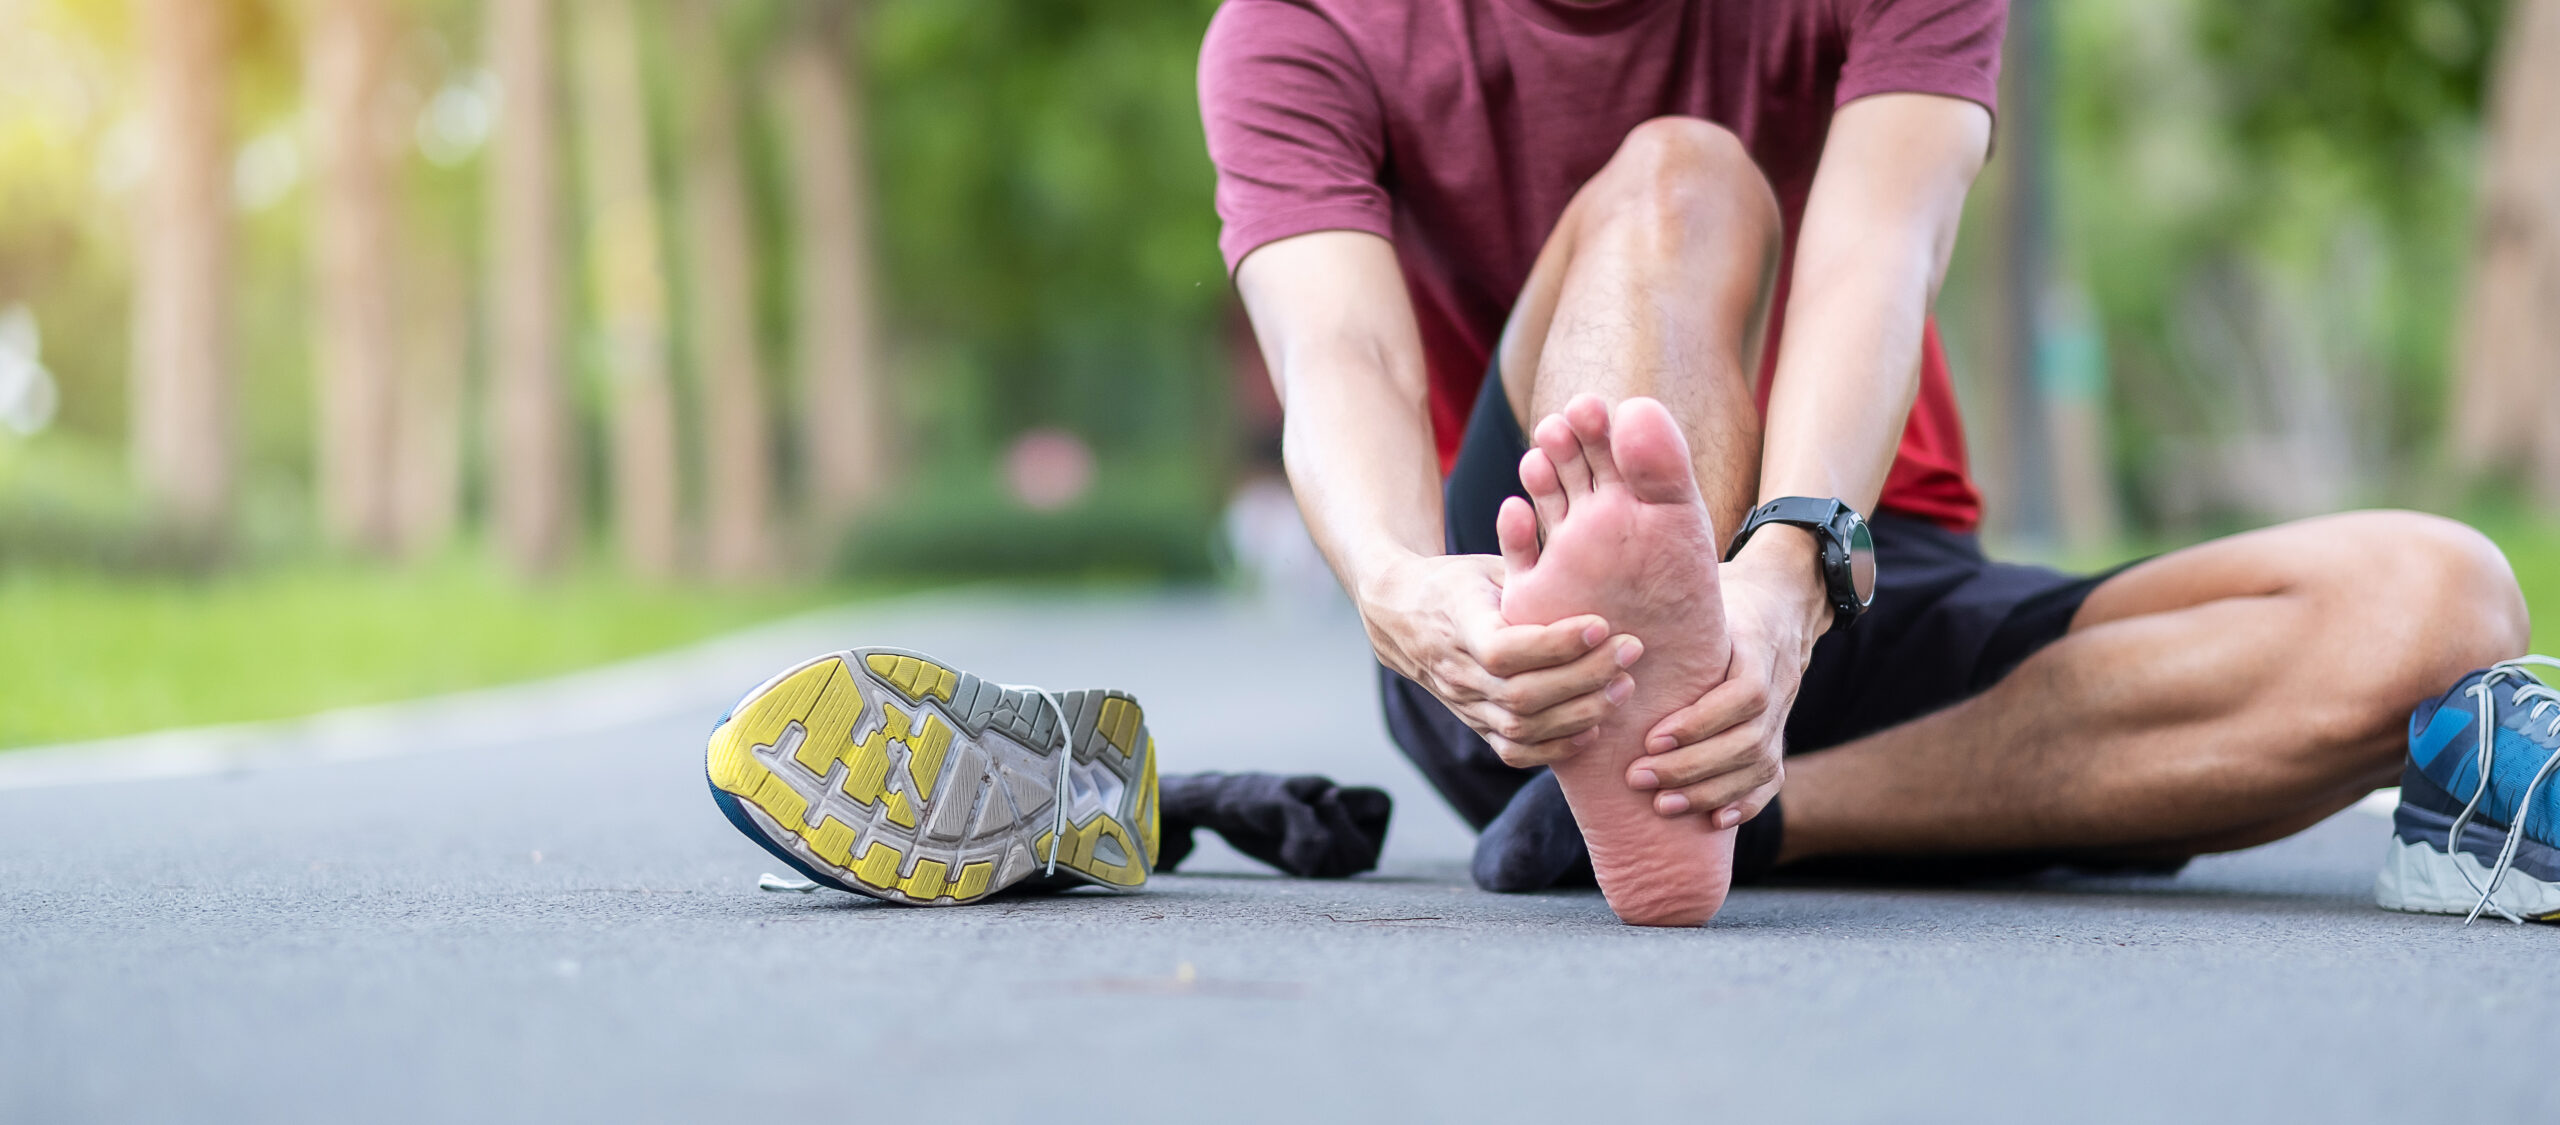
(1293, 125)
(1949, 47)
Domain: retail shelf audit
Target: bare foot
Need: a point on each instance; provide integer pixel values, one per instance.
(1628, 538)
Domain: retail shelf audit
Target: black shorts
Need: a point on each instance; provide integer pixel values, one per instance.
(1945, 624)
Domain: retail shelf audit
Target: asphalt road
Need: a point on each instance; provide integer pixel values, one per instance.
(564, 928)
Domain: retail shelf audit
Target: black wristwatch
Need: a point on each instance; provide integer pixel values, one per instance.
(1848, 553)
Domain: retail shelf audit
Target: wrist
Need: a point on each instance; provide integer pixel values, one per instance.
(1786, 560)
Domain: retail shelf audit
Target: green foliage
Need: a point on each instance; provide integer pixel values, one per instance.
(1140, 519)
(1046, 226)
(2299, 171)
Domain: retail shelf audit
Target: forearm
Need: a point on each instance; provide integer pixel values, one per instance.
(1850, 364)
(1357, 445)
(1879, 227)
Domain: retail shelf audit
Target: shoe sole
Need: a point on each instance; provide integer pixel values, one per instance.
(2417, 878)
(886, 773)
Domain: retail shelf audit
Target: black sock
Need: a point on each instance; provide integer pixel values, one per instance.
(1534, 844)
(1304, 825)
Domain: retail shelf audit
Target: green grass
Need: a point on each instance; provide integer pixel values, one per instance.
(86, 656)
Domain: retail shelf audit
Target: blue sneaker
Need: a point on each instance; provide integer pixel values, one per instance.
(2461, 845)
(886, 773)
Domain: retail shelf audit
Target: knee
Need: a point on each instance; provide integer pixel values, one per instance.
(1676, 179)
(2421, 600)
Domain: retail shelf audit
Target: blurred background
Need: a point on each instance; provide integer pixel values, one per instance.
(359, 349)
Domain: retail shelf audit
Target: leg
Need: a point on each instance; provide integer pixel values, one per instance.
(1656, 282)
(2212, 699)
(1650, 293)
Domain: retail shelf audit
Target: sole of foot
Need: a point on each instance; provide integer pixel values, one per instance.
(1628, 537)
(886, 773)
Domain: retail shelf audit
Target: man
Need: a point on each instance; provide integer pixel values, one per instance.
(1460, 223)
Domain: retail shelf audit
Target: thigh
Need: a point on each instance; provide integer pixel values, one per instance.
(1946, 624)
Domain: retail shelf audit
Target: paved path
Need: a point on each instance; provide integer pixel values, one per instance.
(520, 931)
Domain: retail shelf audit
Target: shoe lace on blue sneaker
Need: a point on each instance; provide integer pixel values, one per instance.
(2539, 699)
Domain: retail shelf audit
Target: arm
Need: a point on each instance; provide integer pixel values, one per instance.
(1878, 229)
(1337, 331)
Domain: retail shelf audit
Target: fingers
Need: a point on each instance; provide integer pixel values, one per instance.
(1507, 650)
(1588, 415)
(1517, 530)
(1546, 492)
(1742, 772)
(1529, 693)
(1749, 805)
(1739, 699)
(1522, 755)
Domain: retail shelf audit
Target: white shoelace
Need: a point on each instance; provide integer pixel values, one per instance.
(1066, 759)
(2483, 694)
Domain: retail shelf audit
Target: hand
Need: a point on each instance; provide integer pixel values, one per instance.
(1537, 693)
(1723, 755)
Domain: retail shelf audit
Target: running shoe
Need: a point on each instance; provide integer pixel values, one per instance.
(2478, 828)
(890, 774)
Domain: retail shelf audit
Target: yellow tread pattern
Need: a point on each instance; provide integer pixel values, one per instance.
(900, 813)
(928, 882)
(1149, 827)
(917, 678)
(830, 722)
(924, 755)
(1075, 850)
(760, 722)
(833, 842)
(879, 865)
(867, 772)
(1118, 725)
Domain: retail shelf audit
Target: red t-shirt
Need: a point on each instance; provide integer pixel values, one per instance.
(1459, 129)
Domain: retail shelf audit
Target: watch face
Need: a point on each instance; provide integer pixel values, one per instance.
(1862, 560)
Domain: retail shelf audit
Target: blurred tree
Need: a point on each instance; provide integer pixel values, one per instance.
(182, 417)
(627, 276)
(2265, 202)
(720, 276)
(427, 432)
(818, 105)
(530, 478)
(360, 141)
(1049, 227)
(2507, 413)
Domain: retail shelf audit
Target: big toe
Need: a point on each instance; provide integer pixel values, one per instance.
(1650, 453)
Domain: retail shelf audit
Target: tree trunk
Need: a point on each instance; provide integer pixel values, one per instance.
(2507, 413)
(426, 467)
(358, 143)
(181, 380)
(818, 96)
(737, 451)
(532, 477)
(629, 279)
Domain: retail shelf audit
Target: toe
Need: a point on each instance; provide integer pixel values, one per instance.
(1556, 439)
(1517, 530)
(1648, 451)
(1546, 490)
(1588, 415)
